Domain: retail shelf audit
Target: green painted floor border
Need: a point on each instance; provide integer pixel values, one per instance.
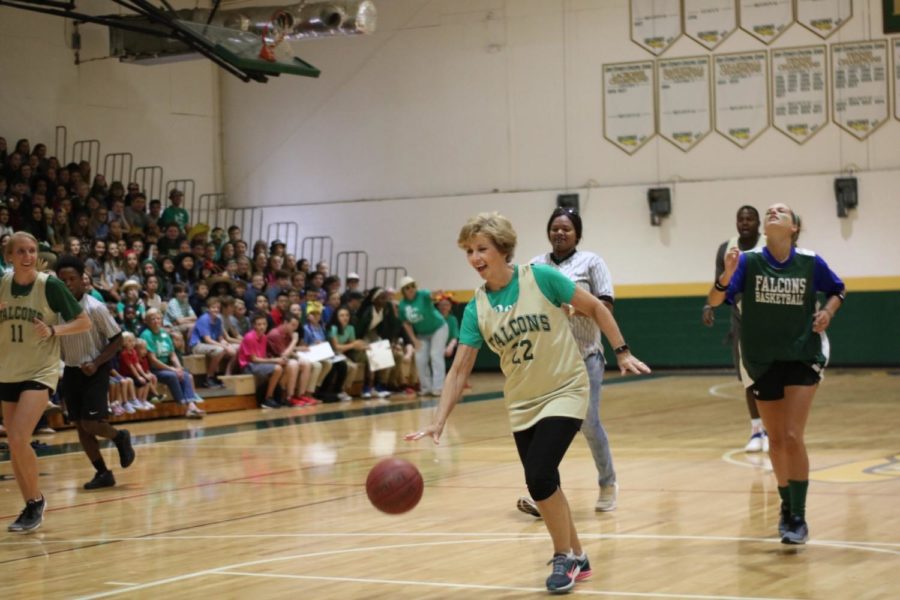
(269, 420)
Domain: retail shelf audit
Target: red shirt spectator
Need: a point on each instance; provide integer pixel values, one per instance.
(127, 360)
(252, 345)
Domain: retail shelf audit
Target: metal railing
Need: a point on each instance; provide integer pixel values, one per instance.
(88, 150)
(150, 180)
(388, 277)
(352, 261)
(249, 219)
(187, 187)
(315, 249)
(205, 209)
(117, 166)
(61, 144)
(286, 231)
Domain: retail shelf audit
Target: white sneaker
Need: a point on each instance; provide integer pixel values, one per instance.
(608, 496)
(129, 408)
(759, 442)
(345, 397)
(198, 400)
(148, 405)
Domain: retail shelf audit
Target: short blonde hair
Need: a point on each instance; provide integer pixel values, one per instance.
(127, 335)
(14, 240)
(495, 227)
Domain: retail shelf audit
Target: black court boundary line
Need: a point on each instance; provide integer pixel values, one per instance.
(300, 419)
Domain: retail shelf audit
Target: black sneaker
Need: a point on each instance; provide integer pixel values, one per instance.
(270, 403)
(783, 519)
(30, 518)
(101, 480)
(214, 383)
(565, 570)
(126, 451)
(797, 531)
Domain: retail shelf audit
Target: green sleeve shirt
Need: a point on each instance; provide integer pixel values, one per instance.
(555, 286)
(421, 313)
(59, 297)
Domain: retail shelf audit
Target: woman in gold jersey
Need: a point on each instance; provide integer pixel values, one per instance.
(518, 313)
(31, 304)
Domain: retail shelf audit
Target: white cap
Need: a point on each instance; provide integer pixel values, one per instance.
(406, 281)
(353, 276)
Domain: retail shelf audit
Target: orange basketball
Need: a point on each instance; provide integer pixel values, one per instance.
(394, 486)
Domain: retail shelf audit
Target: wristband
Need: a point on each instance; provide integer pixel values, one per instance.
(720, 287)
(621, 349)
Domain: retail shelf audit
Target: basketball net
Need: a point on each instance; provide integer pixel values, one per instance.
(267, 51)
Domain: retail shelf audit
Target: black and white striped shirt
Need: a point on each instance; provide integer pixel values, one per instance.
(85, 347)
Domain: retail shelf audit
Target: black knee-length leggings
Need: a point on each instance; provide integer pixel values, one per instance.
(541, 448)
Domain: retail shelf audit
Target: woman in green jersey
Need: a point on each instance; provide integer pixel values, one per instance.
(518, 313)
(783, 347)
(31, 304)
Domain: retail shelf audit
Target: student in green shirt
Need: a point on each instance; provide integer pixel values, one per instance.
(427, 330)
(174, 213)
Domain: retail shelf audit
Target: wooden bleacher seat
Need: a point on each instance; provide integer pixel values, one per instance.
(195, 364)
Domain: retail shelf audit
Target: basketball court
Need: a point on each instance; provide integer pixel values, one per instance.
(273, 505)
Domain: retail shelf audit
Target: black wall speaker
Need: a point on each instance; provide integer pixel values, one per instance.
(846, 195)
(660, 202)
(569, 201)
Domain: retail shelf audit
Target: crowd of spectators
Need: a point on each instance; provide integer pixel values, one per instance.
(208, 290)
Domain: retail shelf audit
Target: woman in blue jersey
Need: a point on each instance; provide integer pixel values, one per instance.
(783, 347)
(518, 313)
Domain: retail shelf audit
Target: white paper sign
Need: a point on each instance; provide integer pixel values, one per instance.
(824, 17)
(859, 76)
(709, 22)
(317, 352)
(896, 78)
(742, 96)
(655, 24)
(766, 19)
(799, 91)
(380, 355)
(629, 114)
(685, 117)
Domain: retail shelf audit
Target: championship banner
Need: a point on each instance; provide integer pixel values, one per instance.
(766, 19)
(685, 117)
(629, 112)
(799, 91)
(655, 24)
(824, 17)
(742, 96)
(709, 22)
(859, 80)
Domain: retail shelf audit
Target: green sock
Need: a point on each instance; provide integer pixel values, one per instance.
(798, 497)
(785, 493)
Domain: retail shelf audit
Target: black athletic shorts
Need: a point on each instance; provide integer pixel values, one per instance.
(85, 396)
(10, 392)
(780, 375)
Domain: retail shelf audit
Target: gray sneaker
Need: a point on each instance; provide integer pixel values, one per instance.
(609, 495)
(562, 578)
(30, 518)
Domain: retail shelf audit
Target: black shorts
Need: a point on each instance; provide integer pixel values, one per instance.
(782, 374)
(10, 392)
(85, 396)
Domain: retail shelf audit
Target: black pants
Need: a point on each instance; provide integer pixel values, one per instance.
(541, 450)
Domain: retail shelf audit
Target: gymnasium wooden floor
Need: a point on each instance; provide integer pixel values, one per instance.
(272, 505)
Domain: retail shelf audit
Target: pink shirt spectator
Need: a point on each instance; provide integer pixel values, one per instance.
(252, 345)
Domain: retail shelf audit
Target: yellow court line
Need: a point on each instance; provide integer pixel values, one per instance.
(676, 290)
